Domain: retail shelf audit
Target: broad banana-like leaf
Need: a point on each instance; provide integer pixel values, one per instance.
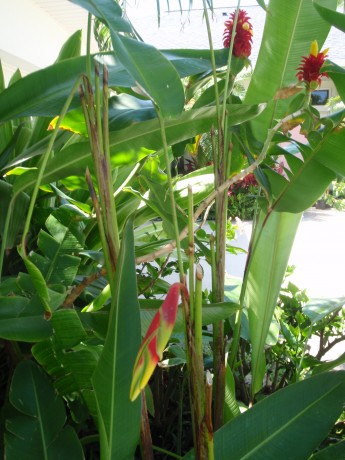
(288, 424)
(150, 70)
(22, 319)
(129, 146)
(119, 417)
(39, 431)
(290, 28)
(155, 341)
(331, 452)
(337, 74)
(309, 177)
(43, 93)
(335, 18)
(268, 258)
(317, 309)
(329, 365)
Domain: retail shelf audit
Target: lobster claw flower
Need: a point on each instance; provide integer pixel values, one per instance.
(309, 69)
(155, 340)
(243, 37)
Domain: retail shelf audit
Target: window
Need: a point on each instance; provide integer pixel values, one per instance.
(320, 97)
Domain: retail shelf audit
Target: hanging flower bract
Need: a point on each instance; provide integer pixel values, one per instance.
(244, 34)
(309, 69)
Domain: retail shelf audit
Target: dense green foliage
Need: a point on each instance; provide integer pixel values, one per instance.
(93, 218)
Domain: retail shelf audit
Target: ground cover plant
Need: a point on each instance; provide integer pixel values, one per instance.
(101, 356)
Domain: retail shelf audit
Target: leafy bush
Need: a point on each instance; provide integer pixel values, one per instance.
(99, 349)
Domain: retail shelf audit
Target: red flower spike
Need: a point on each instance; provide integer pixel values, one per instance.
(244, 34)
(309, 69)
(155, 340)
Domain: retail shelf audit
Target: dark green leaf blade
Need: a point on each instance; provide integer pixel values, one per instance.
(335, 18)
(40, 430)
(303, 412)
(118, 417)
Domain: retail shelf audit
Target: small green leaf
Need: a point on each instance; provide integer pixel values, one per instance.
(39, 283)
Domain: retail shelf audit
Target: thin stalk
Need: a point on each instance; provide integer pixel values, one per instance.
(198, 313)
(221, 218)
(191, 252)
(213, 60)
(228, 68)
(5, 232)
(43, 165)
(92, 438)
(99, 218)
(114, 227)
(88, 47)
(98, 105)
(102, 163)
(299, 367)
(171, 194)
(145, 433)
(208, 416)
(166, 452)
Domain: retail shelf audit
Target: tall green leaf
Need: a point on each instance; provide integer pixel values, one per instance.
(333, 452)
(151, 71)
(289, 424)
(39, 431)
(308, 177)
(290, 28)
(118, 417)
(44, 92)
(71, 48)
(335, 18)
(129, 146)
(268, 258)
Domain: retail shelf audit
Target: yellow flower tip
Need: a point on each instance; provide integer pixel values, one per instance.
(324, 52)
(314, 48)
(245, 26)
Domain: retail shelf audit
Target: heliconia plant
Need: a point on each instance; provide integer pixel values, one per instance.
(156, 339)
(88, 148)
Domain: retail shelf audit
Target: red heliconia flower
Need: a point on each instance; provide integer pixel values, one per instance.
(244, 34)
(309, 69)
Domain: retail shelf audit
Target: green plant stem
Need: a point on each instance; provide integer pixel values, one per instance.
(109, 180)
(89, 439)
(213, 61)
(5, 232)
(198, 313)
(191, 251)
(145, 433)
(98, 105)
(166, 452)
(299, 367)
(44, 164)
(228, 69)
(208, 416)
(171, 194)
(101, 157)
(88, 47)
